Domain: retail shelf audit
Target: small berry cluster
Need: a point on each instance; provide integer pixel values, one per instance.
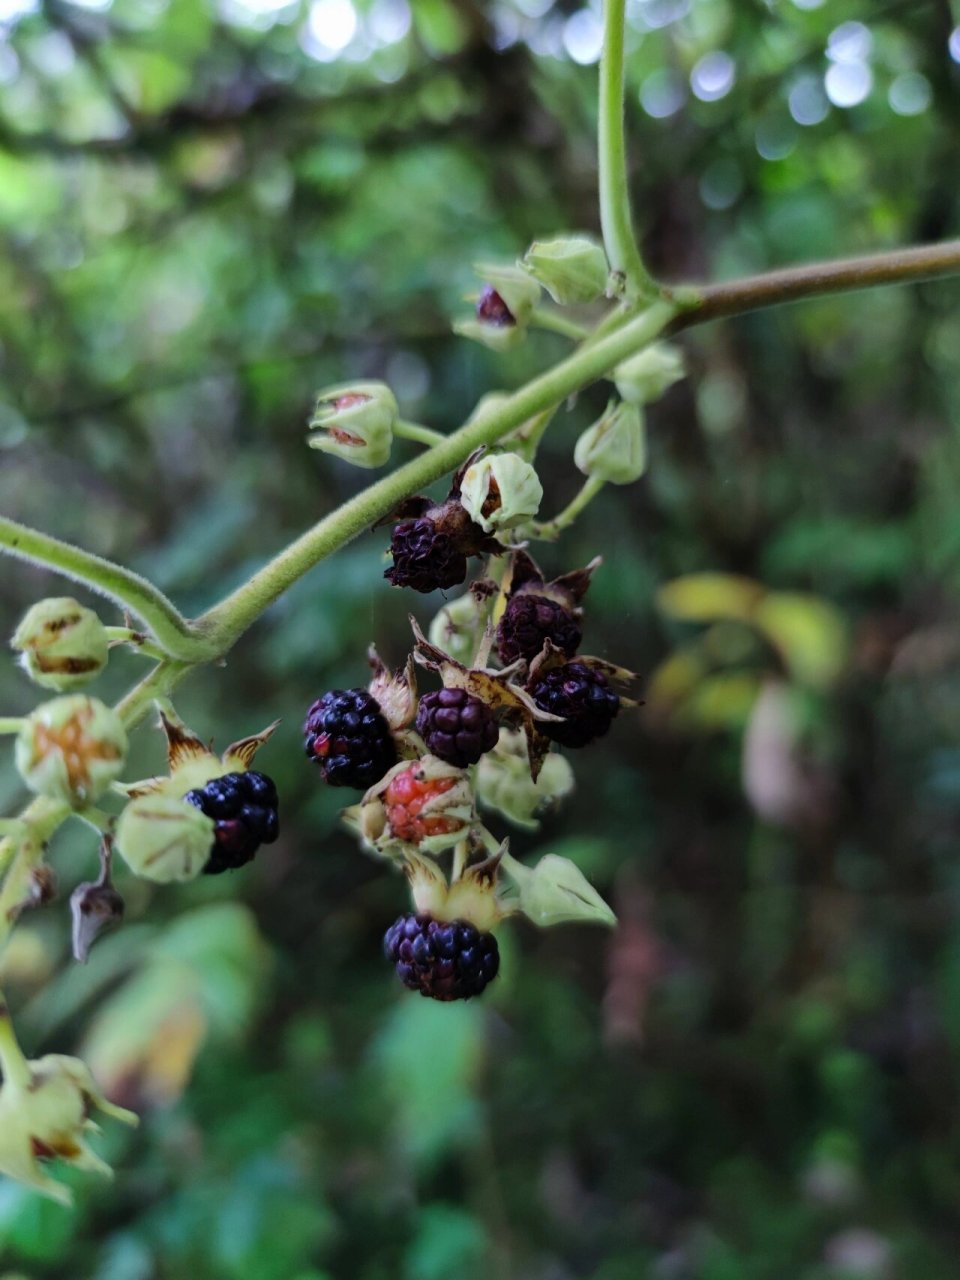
(414, 756)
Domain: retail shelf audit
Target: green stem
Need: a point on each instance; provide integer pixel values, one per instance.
(223, 624)
(11, 724)
(16, 1070)
(615, 217)
(414, 431)
(552, 529)
(128, 589)
(554, 322)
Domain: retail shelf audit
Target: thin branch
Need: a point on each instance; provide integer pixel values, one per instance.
(701, 303)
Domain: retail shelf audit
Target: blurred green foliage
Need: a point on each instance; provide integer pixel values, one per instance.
(209, 210)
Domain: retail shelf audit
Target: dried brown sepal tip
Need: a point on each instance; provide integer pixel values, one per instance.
(538, 611)
(95, 906)
(433, 541)
(394, 691)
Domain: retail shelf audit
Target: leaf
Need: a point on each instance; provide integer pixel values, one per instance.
(810, 634)
(556, 891)
(710, 597)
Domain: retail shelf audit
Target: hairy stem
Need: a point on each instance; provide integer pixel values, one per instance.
(414, 431)
(229, 619)
(616, 220)
(551, 529)
(128, 589)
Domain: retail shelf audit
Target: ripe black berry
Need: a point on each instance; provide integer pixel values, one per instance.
(244, 808)
(456, 726)
(346, 733)
(445, 961)
(529, 620)
(582, 695)
(425, 556)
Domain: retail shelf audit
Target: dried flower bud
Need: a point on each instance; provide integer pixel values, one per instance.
(45, 1111)
(163, 839)
(355, 422)
(71, 749)
(614, 449)
(501, 490)
(94, 908)
(571, 268)
(647, 375)
(503, 781)
(62, 645)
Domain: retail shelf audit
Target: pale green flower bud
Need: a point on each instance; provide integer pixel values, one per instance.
(71, 749)
(62, 645)
(164, 839)
(355, 422)
(45, 1109)
(500, 490)
(504, 307)
(614, 449)
(647, 375)
(570, 268)
(508, 296)
(503, 781)
(458, 627)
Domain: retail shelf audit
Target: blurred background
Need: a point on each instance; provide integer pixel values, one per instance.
(209, 210)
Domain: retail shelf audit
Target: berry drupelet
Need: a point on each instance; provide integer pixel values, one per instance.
(244, 809)
(348, 736)
(529, 620)
(443, 960)
(456, 726)
(582, 695)
(405, 800)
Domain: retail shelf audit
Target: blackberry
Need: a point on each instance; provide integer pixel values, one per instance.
(425, 556)
(443, 960)
(529, 620)
(409, 794)
(582, 695)
(244, 809)
(456, 726)
(347, 735)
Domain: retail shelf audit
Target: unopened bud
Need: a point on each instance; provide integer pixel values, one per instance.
(163, 839)
(614, 449)
(71, 749)
(355, 422)
(647, 375)
(504, 307)
(458, 627)
(62, 645)
(501, 490)
(503, 781)
(571, 268)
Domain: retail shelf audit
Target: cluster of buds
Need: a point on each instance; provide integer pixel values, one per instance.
(429, 761)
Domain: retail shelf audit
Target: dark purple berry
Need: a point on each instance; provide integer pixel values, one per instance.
(243, 807)
(347, 735)
(582, 695)
(491, 308)
(529, 620)
(456, 726)
(425, 557)
(443, 960)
